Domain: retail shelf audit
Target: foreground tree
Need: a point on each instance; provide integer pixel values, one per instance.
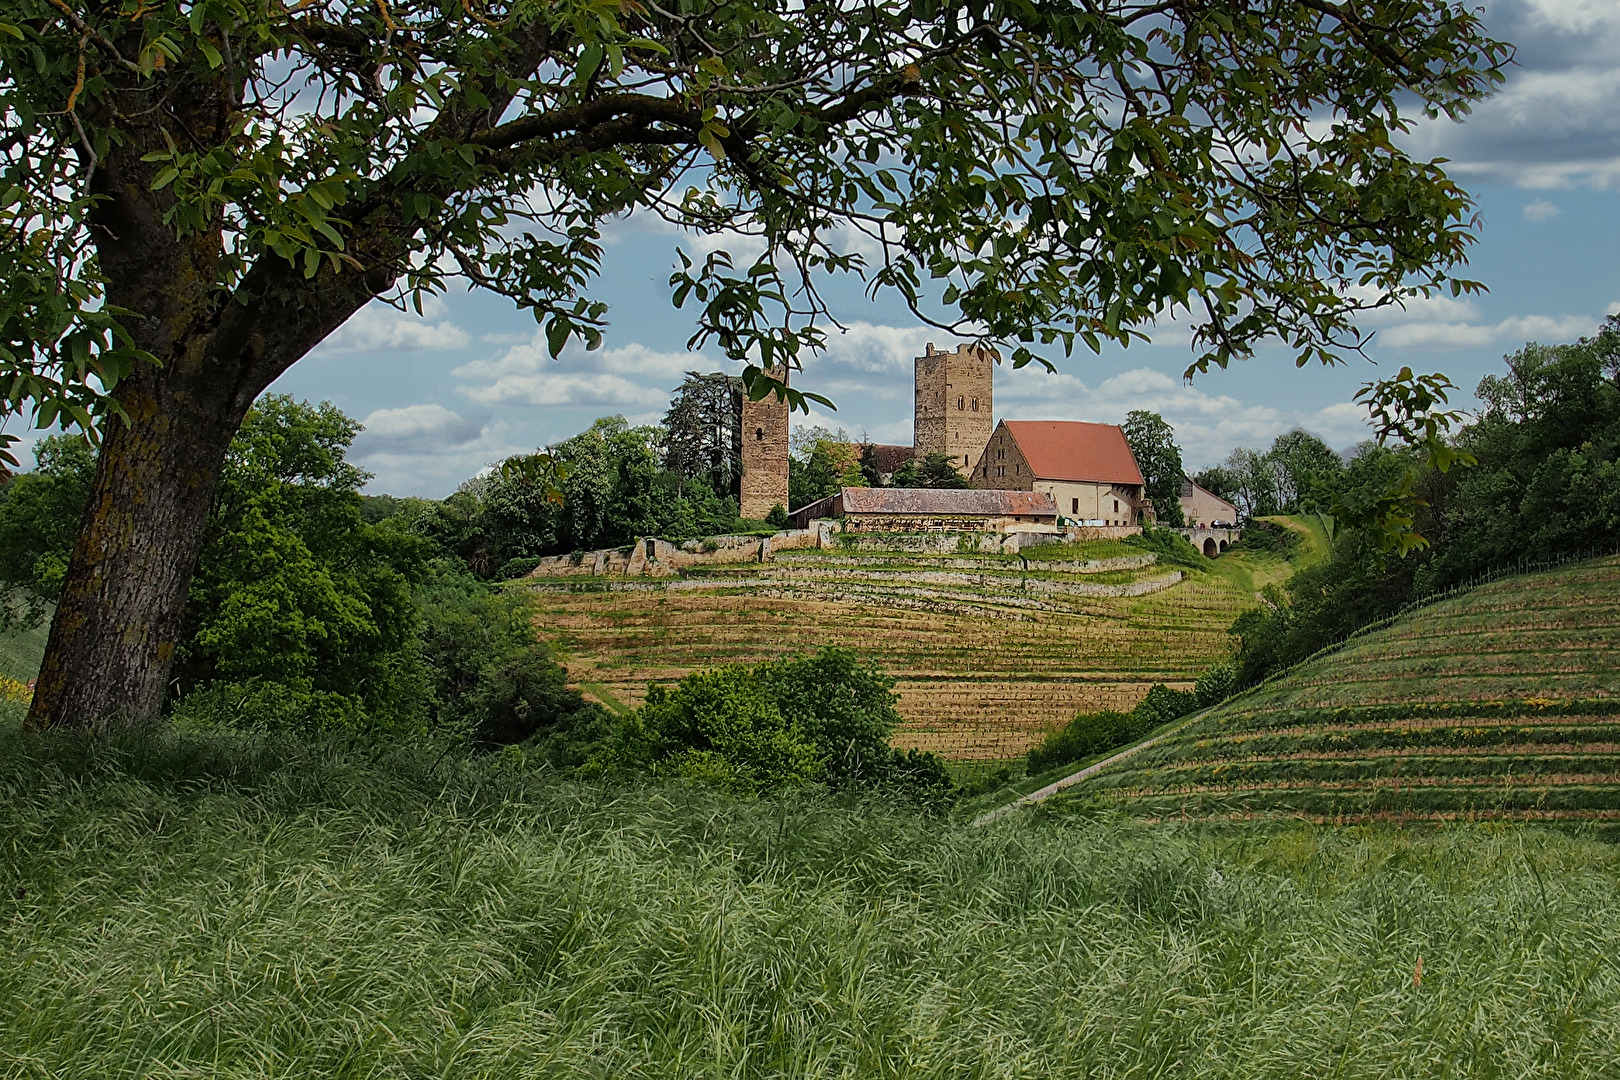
(197, 192)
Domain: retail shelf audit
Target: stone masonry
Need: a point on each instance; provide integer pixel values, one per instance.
(764, 453)
(954, 414)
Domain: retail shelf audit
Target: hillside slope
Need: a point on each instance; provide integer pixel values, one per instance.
(1502, 702)
(989, 656)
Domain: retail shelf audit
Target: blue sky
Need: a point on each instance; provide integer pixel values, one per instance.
(469, 384)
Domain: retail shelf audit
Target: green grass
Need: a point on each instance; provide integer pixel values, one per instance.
(187, 908)
(1501, 702)
(20, 653)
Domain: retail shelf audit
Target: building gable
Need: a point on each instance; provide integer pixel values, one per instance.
(1075, 451)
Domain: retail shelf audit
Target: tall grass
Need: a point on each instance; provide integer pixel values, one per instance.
(185, 906)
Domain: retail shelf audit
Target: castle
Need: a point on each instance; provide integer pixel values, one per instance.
(1087, 469)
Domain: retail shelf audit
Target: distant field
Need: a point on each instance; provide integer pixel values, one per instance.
(1504, 702)
(989, 657)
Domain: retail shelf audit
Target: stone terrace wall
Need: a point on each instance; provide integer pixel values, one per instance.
(651, 557)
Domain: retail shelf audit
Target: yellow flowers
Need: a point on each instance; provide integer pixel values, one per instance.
(12, 690)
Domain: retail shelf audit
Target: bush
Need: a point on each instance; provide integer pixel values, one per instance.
(720, 728)
(524, 698)
(1095, 733)
(516, 568)
(1216, 684)
(778, 517)
(826, 717)
(1170, 547)
(1269, 536)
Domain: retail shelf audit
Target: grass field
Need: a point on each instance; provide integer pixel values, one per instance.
(989, 656)
(186, 908)
(1502, 702)
(20, 653)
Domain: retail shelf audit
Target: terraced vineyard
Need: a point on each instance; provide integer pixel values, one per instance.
(1503, 702)
(990, 656)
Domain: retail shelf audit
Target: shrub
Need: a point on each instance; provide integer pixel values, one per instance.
(516, 568)
(778, 517)
(748, 730)
(718, 727)
(846, 709)
(1095, 733)
(524, 698)
(1170, 547)
(1216, 684)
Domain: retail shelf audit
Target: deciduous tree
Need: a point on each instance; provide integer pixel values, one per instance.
(197, 192)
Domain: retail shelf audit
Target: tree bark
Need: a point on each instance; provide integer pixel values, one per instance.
(122, 609)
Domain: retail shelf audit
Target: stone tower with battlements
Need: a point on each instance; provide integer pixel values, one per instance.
(764, 453)
(953, 405)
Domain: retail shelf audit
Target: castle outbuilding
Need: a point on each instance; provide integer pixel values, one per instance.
(1088, 469)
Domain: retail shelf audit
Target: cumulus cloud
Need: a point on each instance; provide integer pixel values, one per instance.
(1207, 425)
(432, 469)
(1553, 124)
(1541, 211)
(418, 429)
(1459, 335)
(380, 328)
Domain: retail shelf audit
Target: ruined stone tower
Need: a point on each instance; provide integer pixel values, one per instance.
(953, 406)
(764, 453)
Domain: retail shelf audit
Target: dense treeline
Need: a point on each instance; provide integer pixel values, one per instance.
(1545, 485)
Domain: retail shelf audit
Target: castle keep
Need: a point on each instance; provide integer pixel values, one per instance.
(954, 413)
(764, 452)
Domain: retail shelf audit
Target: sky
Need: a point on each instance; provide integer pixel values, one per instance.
(445, 395)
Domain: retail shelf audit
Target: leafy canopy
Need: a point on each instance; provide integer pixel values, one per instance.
(1054, 173)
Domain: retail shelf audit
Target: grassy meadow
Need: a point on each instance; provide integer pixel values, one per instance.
(989, 655)
(188, 906)
(21, 652)
(1501, 702)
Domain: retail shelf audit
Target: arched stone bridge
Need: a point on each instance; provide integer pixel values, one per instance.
(1211, 541)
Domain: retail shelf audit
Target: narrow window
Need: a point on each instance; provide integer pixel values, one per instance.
(959, 404)
(1116, 506)
(975, 404)
(759, 434)
(1075, 509)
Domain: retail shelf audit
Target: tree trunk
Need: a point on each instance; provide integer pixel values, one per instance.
(123, 603)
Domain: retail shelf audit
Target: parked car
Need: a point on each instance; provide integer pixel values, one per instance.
(1220, 524)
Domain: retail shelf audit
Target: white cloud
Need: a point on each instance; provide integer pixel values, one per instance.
(869, 347)
(1207, 425)
(1459, 335)
(418, 429)
(380, 328)
(432, 472)
(1541, 211)
(566, 388)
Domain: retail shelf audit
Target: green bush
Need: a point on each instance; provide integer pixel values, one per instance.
(1096, 733)
(1170, 547)
(720, 728)
(520, 567)
(778, 517)
(1216, 684)
(826, 717)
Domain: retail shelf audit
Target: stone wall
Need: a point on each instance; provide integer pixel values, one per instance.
(764, 454)
(652, 557)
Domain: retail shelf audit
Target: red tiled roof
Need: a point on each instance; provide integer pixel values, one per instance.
(970, 501)
(1071, 450)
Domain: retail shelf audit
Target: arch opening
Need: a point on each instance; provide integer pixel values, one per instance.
(1223, 545)
(1209, 547)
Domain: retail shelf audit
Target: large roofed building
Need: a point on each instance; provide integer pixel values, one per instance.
(1087, 469)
